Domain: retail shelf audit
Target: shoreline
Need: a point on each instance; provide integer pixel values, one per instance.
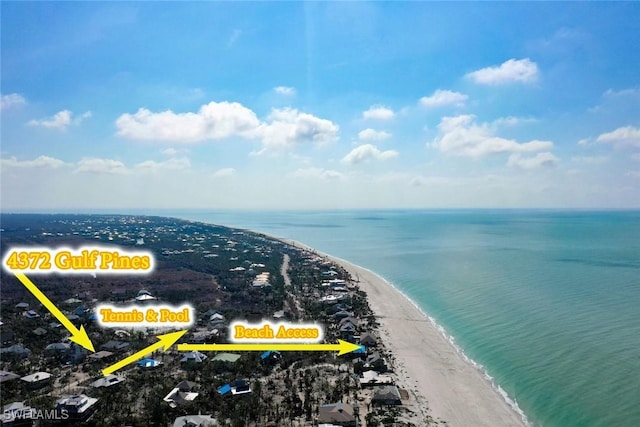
(429, 364)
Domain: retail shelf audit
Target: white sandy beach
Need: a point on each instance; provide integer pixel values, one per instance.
(427, 363)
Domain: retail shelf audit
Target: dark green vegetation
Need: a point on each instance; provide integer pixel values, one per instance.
(213, 269)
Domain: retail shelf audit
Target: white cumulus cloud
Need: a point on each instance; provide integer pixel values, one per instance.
(441, 98)
(39, 162)
(540, 160)
(282, 129)
(215, 120)
(101, 166)
(288, 127)
(367, 152)
(513, 70)
(373, 135)
(627, 136)
(462, 136)
(60, 120)
(11, 100)
(378, 112)
(285, 90)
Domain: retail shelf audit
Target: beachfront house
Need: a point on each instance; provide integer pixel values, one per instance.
(376, 362)
(368, 340)
(372, 378)
(347, 331)
(386, 395)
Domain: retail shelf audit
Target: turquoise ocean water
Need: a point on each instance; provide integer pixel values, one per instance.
(548, 303)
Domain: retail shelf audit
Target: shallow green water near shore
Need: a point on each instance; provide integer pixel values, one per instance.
(547, 302)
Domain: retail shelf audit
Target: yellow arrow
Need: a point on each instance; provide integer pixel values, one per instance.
(166, 341)
(343, 347)
(78, 336)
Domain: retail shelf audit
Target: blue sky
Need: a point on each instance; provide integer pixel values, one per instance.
(320, 105)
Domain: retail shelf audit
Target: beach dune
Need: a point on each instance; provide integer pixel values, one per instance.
(428, 365)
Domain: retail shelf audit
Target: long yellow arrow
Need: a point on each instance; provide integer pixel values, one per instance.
(342, 347)
(166, 341)
(79, 336)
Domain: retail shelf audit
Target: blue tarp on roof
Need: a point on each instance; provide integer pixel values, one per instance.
(268, 353)
(224, 389)
(361, 350)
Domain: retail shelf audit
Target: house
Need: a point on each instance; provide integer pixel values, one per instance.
(148, 363)
(114, 346)
(144, 296)
(226, 357)
(371, 378)
(16, 351)
(78, 407)
(121, 333)
(101, 355)
(386, 395)
(333, 309)
(37, 380)
(110, 382)
(340, 414)
(8, 376)
(17, 414)
(24, 306)
(31, 314)
(240, 387)
(195, 421)
(368, 340)
(341, 315)
(182, 394)
(376, 362)
(329, 299)
(193, 356)
(216, 316)
(347, 331)
(350, 319)
(200, 336)
(57, 348)
(330, 273)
